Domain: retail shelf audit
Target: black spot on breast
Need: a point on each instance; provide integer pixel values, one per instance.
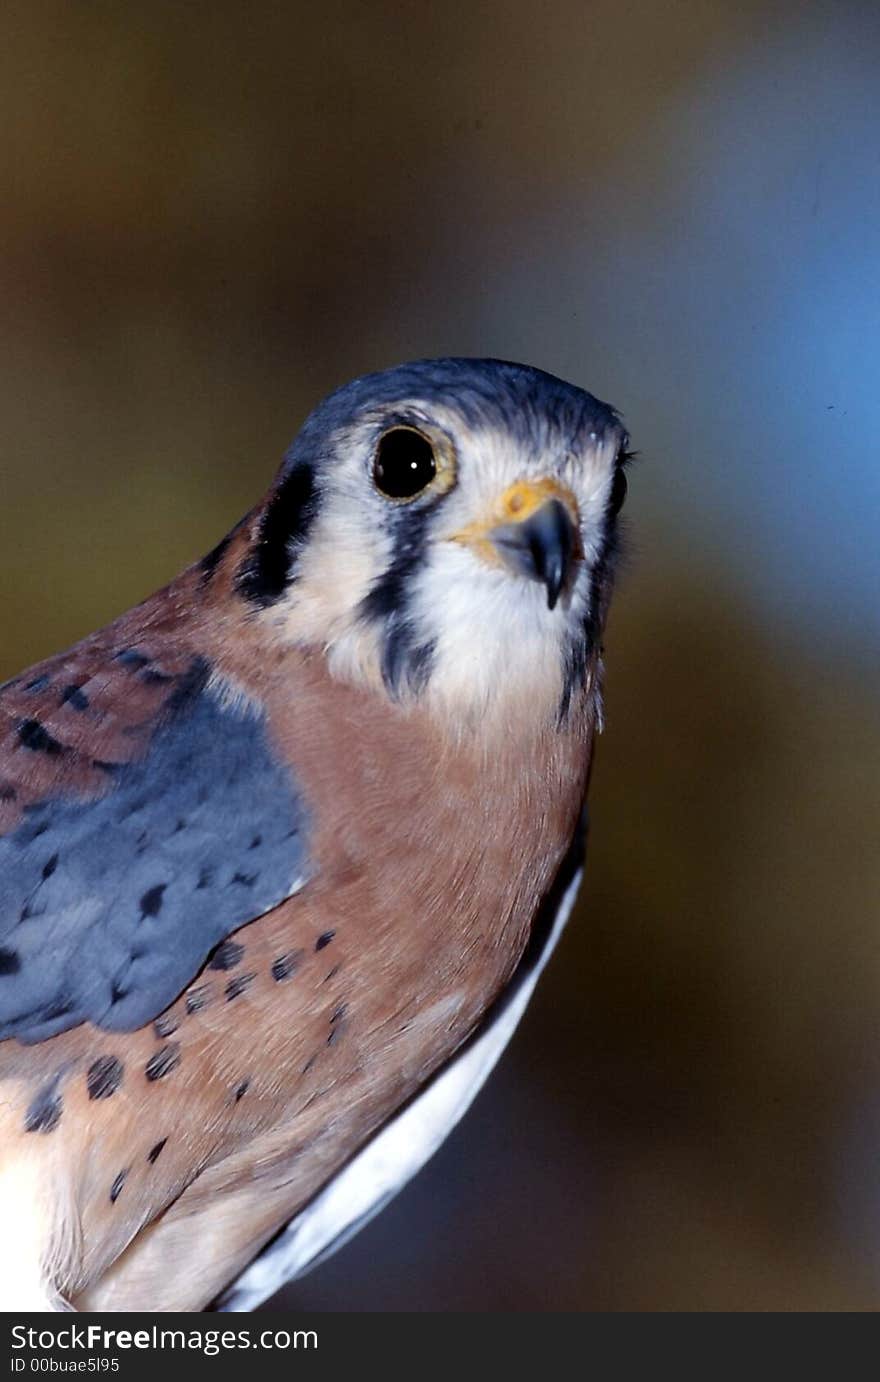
(268, 568)
(7, 793)
(104, 1077)
(151, 902)
(36, 737)
(242, 1090)
(44, 1110)
(256, 842)
(339, 1013)
(238, 985)
(151, 677)
(198, 998)
(166, 1059)
(285, 965)
(10, 961)
(116, 1187)
(38, 684)
(166, 1025)
(226, 956)
(132, 659)
(75, 697)
(49, 867)
(324, 939)
(206, 878)
(155, 1152)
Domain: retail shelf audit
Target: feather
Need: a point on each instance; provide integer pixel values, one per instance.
(381, 1169)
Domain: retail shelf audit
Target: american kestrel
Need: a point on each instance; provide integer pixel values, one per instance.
(284, 849)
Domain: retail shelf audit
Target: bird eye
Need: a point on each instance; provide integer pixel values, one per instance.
(405, 463)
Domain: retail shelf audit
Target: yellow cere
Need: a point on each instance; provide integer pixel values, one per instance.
(515, 505)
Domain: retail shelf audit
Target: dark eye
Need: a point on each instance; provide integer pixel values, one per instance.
(405, 463)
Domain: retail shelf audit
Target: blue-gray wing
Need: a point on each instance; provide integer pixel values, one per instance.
(118, 877)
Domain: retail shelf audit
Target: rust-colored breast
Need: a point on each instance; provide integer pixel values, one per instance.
(186, 1144)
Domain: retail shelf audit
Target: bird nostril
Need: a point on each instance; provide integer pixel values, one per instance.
(526, 497)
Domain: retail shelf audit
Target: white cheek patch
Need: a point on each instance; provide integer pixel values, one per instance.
(497, 653)
(335, 571)
(497, 649)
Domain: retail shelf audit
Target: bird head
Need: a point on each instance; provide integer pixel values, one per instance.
(444, 532)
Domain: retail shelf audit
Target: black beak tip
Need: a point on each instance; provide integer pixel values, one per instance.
(541, 547)
(554, 579)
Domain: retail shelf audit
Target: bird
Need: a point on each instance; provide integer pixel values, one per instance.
(285, 848)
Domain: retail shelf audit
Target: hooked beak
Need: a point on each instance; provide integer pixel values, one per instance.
(540, 547)
(534, 532)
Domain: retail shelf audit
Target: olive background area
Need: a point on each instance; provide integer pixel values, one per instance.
(214, 214)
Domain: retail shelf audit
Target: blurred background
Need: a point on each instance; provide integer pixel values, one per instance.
(214, 214)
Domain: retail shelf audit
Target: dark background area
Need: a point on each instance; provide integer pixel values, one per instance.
(212, 215)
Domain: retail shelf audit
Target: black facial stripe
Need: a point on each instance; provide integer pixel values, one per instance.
(406, 660)
(580, 646)
(266, 572)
